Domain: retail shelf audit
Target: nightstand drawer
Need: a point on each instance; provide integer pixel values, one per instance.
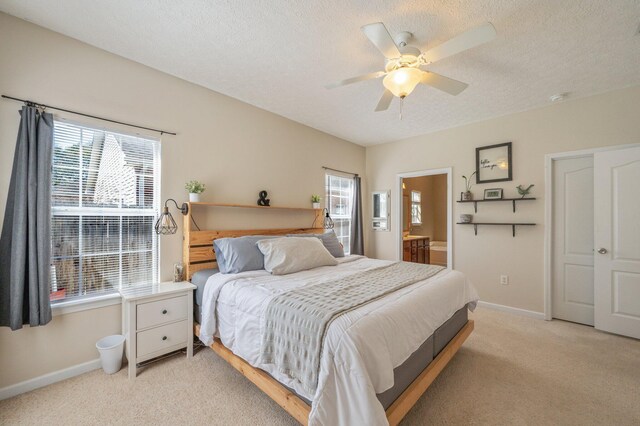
(157, 339)
(161, 312)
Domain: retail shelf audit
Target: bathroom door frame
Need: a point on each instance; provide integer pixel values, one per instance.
(398, 219)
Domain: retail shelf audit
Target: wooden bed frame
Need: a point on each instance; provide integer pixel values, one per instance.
(300, 410)
(198, 254)
(197, 246)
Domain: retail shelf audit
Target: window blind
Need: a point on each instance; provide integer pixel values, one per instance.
(339, 197)
(105, 199)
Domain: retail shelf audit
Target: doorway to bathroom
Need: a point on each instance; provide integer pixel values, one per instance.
(424, 221)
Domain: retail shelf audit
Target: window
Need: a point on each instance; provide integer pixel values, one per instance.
(105, 198)
(339, 195)
(416, 208)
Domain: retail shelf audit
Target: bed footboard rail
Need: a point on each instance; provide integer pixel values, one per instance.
(300, 410)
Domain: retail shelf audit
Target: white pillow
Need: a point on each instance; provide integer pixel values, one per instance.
(293, 254)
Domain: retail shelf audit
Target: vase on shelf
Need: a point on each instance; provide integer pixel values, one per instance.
(467, 196)
(466, 218)
(194, 198)
(316, 205)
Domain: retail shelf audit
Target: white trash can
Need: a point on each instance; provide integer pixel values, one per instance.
(111, 349)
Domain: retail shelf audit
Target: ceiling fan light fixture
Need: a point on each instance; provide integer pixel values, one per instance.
(402, 71)
(402, 81)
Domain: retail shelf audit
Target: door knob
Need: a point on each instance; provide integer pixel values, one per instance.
(602, 250)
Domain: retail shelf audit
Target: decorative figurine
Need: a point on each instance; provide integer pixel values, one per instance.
(263, 201)
(524, 191)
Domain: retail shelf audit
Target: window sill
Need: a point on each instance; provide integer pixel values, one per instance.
(72, 306)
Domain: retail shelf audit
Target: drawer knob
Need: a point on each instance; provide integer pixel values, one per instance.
(164, 337)
(164, 311)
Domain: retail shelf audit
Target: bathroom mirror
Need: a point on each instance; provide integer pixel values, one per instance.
(380, 206)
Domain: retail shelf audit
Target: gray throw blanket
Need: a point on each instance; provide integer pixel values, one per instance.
(295, 322)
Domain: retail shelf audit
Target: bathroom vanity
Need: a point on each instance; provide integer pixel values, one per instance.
(415, 248)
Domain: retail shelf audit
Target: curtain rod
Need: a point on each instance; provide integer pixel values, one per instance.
(37, 104)
(341, 171)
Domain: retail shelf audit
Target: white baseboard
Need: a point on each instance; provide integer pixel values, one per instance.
(511, 310)
(47, 379)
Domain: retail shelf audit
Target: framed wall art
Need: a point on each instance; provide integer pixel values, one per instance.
(493, 194)
(493, 163)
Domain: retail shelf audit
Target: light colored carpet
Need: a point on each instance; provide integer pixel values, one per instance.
(511, 371)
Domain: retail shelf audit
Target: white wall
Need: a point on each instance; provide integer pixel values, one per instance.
(236, 149)
(607, 119)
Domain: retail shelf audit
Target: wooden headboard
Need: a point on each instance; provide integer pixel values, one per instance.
(197, 246)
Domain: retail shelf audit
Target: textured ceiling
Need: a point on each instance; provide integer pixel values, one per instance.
(279, 54)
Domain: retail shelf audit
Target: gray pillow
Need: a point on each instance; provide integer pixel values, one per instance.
(330, 241)
(235, 255)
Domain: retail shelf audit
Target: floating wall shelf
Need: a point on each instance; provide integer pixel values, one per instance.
(513, 200)
(317, 212)
(512, 225)
(252, 206)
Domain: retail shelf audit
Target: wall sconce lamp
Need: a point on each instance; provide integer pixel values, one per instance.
(327, 222)
(165, 224)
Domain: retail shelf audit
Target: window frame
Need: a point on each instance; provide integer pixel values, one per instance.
(340, 217)
(418, 205)
(108, 298)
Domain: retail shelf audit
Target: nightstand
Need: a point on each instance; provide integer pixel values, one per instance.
(157, 319)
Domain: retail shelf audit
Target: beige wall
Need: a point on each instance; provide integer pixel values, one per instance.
(424, 185)
(607, 119)
(438, 208)
(433, 191)
(234, 148)
(238, 150)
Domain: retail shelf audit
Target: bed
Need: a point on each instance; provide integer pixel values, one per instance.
(368, 373)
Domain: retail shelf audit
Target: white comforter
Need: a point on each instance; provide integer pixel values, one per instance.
(361, 347)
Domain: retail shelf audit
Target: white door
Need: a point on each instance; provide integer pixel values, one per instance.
(573, 240)
(617, 241)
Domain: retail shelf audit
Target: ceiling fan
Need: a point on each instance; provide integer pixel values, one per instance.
(402, 71)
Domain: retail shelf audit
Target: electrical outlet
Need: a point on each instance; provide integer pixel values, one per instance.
(504, 279)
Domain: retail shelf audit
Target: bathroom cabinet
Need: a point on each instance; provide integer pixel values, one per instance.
(415, 249)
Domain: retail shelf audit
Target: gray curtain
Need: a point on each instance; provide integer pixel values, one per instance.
(25, 244)
(357, 241)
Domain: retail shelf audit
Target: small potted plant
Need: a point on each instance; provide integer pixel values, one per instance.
(315, 201)
(467, 195)
(195, 188)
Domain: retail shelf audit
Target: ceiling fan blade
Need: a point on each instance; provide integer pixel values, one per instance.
(467, 40)
(352, 80)
(446, 84)
(385, 101)
(378, 34)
